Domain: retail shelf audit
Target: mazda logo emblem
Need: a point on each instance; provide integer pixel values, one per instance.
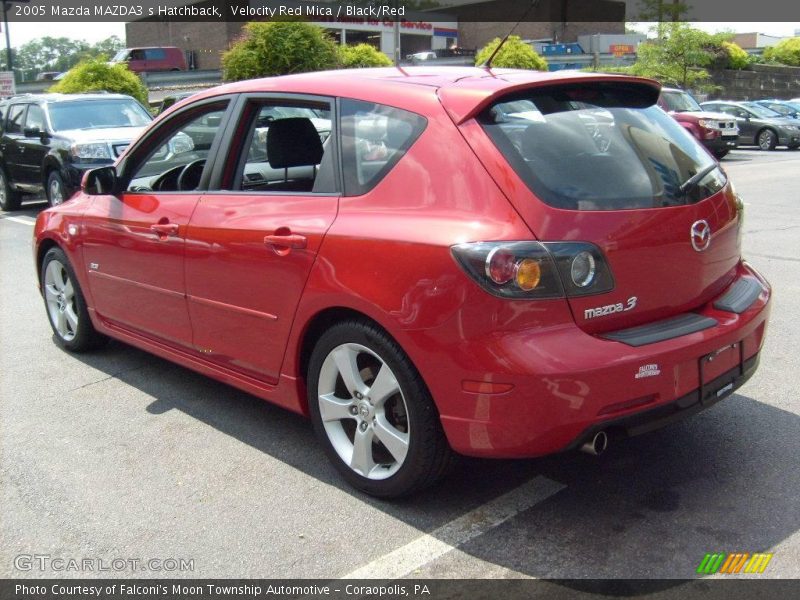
(700, 234)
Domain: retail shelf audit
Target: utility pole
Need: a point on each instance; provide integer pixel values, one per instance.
(397, 54)
(6, 3)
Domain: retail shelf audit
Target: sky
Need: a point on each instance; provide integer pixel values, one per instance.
(94, 32)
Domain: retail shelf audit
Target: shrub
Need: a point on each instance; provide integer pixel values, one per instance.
(96, 75)
(786, 52)
(515, 54)
(361, 56)
(734, 57)
(279, 48)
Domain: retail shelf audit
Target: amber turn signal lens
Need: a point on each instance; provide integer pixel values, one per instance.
(528, 275)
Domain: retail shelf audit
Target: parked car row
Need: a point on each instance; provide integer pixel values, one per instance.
(758, 125)
(722, 125)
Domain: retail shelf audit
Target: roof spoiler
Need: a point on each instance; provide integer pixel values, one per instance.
(468, 99)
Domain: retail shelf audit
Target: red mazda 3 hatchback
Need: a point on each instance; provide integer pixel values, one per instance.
(426, 262)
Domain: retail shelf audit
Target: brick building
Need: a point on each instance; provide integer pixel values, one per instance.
(466, 23)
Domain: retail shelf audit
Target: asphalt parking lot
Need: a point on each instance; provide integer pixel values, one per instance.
(119, 454)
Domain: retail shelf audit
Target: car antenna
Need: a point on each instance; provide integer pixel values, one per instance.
(488, 64)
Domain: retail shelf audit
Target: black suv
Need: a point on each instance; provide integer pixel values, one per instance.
(49, 140)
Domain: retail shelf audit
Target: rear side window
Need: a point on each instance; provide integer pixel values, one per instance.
(15, 115)
(155, 54)
(374, 139)
(600, 148)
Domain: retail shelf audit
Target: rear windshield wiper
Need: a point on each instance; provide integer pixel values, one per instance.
(696, 178)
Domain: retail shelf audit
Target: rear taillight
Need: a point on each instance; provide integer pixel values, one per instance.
(536, 269)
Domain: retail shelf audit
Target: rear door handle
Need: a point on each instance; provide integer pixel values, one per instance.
(289, 240)
(165, 229)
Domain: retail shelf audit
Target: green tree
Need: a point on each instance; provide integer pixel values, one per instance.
(679, 58)
(515, 54)
(95, 75)
(786, 52)
(279, 48)
(361, 56)
(60, 54)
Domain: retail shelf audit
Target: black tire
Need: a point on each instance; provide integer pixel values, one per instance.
(80, 335)
(793, 146)
(428, 454)
(720, 154)
(766, 139)
(56, 191)
(10, 199)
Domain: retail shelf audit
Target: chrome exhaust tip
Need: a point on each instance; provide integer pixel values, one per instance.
(597, 444)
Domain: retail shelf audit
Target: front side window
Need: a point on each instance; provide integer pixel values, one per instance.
(179, 158)
(287, 148)
(374, 139)
(98, 114)
(603, 148)
(35, 118)
(15, 115)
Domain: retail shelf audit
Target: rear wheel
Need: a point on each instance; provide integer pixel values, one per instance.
(10, 199)
(56, 191)
(373, 414)
(66, 307)
(767, 140)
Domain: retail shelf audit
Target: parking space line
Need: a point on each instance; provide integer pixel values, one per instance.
(458, 532)
(24, 220)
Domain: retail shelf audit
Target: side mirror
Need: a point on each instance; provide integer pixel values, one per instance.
(99, 182)
(33, 132)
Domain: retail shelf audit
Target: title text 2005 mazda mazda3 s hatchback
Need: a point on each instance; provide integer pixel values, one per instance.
(426, 261)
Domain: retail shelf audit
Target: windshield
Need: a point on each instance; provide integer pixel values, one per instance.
(760, 111)
(784, 109)
(97, 114)
(120, 56)
(600, 155)
(680, 101)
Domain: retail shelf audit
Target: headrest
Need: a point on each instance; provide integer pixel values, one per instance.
(293, 143)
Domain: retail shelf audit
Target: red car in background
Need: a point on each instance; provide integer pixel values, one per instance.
(425, 261)
(717, 131)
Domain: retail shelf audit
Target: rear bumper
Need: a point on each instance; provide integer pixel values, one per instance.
(568, 384)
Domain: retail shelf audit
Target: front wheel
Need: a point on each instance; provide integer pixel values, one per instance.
(373, 413)
(66, 306)
(10, 199)
(767, 140)
(56, 190)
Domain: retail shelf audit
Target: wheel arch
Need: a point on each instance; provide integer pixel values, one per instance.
(315, 326)
(49, 165)
(318, 324)
(44, 247)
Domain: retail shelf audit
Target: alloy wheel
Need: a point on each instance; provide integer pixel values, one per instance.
(363, 411)
(59, 294)
(56, 194)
